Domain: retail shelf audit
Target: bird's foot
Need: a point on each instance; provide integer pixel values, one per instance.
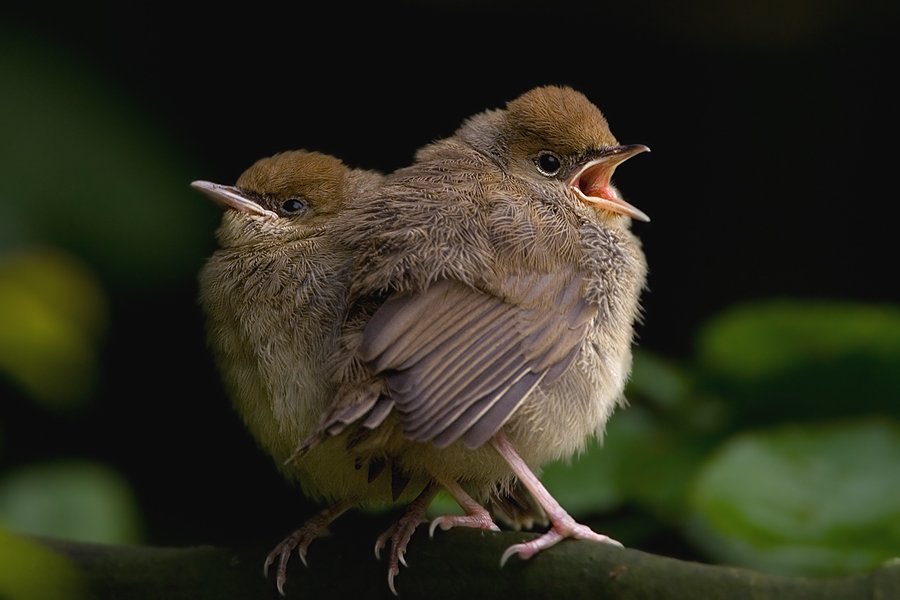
(399, 535)
(479, 520)
(476, 516)
(301, 539)
(564, 528)
(401, 532)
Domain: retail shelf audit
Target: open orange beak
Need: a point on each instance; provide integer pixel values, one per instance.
(591, 183)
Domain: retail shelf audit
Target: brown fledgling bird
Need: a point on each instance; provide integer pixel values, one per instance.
(275, 298)
(494, 290)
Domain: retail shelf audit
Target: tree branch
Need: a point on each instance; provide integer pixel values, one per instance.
(454, 564)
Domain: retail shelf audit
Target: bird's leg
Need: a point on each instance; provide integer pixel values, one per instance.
(476, 516)
(302, 538)
(400, 532)
(564, 526)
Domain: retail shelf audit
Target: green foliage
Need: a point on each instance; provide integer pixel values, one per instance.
(92, 198)
(82, 170)
(815, 497)
(770, 339)
(790, 360)
(75, 500)
(812, 499)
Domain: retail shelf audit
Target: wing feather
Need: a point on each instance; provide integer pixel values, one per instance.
(459, 361)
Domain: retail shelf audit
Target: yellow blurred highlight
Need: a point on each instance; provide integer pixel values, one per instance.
(29, 571)
(53, 314)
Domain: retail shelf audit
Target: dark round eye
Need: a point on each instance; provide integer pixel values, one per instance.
(548, 164)
(292, 205)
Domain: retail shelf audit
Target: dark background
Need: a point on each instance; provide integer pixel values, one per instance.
(772, 127)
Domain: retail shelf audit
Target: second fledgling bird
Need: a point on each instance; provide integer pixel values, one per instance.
(275, 297)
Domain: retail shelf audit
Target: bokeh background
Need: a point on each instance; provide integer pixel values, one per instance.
(764, 428)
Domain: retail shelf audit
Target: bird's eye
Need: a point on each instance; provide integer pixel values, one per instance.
(548, 164)
(293, 205)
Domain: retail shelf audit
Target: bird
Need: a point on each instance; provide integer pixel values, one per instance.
(493, 289)
(274, 296)
(274, 292)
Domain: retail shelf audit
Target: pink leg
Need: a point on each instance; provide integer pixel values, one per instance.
(301, 539)
(400, 533)
(563, 525)
(476, 516)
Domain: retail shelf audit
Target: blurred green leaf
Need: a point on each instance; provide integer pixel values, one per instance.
(31, 572)
(52, 315)
(784, 360)
(658, 380)
(75, 500)
(81, 169)
(803, 500)
(759, 340)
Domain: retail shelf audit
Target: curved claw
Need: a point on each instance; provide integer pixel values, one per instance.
(381, 542)
(509, 552)
(391, 582)
(434, 523)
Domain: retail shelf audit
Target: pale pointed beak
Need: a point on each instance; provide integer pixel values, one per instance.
(591, 183)
(232, 197)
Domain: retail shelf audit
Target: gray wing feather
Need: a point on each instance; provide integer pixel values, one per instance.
(458, 361)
